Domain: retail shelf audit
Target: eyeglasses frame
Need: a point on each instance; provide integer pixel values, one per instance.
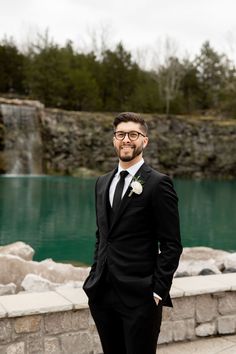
(127, 133)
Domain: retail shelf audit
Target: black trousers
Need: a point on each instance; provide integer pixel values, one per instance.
(125, 330)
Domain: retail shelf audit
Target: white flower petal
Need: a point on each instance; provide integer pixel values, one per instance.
(137, 187)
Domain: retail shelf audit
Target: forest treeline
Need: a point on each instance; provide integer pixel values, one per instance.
(60, 76)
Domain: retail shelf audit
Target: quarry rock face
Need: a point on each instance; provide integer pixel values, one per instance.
(180, 146)
(72, 143)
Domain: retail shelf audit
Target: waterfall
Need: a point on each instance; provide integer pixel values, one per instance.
(22, 139)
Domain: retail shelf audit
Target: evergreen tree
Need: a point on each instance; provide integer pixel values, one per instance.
(146, 95)
(118, 79)
(111, 80)
(212, 72)
(189, 87)
(11, 68)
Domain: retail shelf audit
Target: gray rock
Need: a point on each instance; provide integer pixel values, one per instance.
(205, 254)
(7, 289)
(35, 283)
(19, 249)
(18, 102)
(14, 269)
(229, 270)
(206, 271)
(230, 261)
(206, 329)
(71, 285)
(181, 275)
(193, 267)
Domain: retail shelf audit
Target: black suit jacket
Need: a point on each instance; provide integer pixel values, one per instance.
(141, 246)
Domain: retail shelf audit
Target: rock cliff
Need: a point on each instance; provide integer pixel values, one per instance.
(74, 142)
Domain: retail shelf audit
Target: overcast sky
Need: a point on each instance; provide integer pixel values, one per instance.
(137, 23)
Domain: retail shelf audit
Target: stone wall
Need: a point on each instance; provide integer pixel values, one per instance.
(199, 316)
(179, 145)
(60, 322)
(70, 332)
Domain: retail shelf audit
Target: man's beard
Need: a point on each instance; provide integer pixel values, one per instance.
(135, 152)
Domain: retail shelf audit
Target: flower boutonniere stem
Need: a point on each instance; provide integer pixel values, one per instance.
(136, 185)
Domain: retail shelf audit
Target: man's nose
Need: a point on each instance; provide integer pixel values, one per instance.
(126, 138)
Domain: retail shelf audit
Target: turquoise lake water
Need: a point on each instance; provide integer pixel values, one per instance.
(55, 215)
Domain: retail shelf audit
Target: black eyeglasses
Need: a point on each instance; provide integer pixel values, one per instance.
(132, 135)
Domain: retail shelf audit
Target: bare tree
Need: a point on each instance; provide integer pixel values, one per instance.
(167, 70)
(231, 46)
(143, 57)
(98, 40)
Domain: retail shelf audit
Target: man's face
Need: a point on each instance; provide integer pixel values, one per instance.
(126, 149)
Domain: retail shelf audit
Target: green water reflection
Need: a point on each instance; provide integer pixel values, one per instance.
(208, 213)
(55, 215)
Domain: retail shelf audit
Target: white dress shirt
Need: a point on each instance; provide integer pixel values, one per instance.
(132, 171)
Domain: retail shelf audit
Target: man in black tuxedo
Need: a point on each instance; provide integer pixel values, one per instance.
(137, 246)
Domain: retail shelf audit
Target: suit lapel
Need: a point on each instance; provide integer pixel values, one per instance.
(106, 201)
(143, 173)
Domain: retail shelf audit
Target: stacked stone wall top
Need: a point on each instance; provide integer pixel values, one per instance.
(59, 321)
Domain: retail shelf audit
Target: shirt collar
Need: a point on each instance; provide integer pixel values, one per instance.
(133, 169)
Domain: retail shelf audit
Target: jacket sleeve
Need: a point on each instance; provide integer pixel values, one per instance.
(167, 229)
(93, 267)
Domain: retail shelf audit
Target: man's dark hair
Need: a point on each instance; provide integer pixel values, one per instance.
(131, 117)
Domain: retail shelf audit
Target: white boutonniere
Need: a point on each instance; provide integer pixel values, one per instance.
(136, 185)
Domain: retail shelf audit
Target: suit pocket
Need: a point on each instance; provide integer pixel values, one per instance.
(139, 203)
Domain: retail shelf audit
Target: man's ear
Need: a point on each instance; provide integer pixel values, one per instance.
(145, 142)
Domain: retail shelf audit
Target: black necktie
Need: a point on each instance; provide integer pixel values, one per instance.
(119, 190)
